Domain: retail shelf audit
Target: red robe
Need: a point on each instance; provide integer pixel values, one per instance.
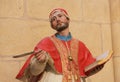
(84, 56)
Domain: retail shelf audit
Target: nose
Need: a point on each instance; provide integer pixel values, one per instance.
(58, 19)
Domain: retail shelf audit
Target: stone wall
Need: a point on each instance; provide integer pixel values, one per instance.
(24, 22)
(115, 26)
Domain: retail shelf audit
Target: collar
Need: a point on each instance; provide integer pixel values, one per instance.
(65, 38)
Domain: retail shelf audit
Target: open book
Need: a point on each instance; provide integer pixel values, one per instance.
(100, 60)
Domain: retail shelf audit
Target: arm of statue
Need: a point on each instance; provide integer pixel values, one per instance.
(39, 62)
(99, 63)
(94, 70)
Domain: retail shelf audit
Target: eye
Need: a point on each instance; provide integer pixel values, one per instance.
(60, 15)
(53, 19)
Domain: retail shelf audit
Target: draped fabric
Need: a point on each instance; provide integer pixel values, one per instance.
(84, 57)
(69, 66)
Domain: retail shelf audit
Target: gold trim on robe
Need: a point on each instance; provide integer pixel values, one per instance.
(69, 59)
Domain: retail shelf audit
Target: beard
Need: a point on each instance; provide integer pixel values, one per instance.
(62, 26)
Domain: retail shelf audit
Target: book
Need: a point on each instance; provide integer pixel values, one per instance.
(102, 59)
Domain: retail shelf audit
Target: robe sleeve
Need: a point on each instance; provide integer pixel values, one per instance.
(37, 67)
(28, 66)
(85, 58)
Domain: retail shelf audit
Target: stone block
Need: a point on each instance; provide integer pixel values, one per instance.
(41, 9)
(115, 10)
(20, 36)
(8, 71)
(117, 68)
(116, 38)
(106, 37)
(11, 8)
(96, 11)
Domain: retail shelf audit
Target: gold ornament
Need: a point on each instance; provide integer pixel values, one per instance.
(70, 58)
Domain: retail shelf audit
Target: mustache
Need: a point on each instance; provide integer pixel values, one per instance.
(59, 23)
